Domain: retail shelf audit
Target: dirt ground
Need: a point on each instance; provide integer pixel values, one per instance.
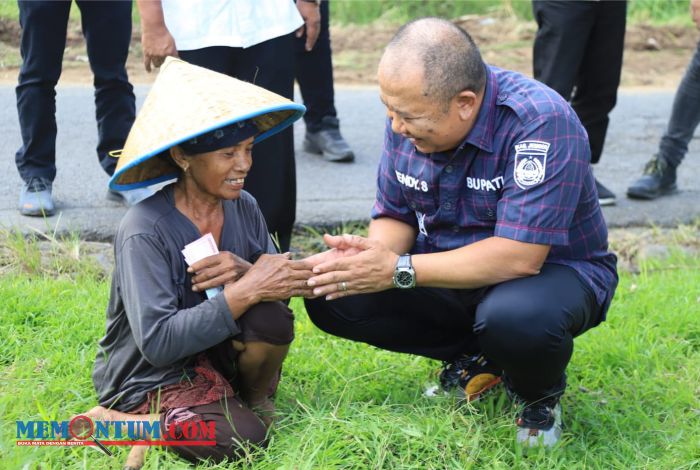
(655, 57)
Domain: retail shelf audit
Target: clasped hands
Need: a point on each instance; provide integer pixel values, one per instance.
(352, 265)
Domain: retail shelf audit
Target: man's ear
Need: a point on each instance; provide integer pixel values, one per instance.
(179, 157)
(467, 104)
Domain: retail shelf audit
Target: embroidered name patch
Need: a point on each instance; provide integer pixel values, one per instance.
(530, 162)
(411, 182)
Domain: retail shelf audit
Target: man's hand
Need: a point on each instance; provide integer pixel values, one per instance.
(695, 12)
(312, 22)
(217, 270)
(338, 250)
(370, 269)
(157, 44)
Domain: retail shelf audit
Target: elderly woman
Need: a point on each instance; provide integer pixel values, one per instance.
(170, 353)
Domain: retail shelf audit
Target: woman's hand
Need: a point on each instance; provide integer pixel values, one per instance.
(275, 277)
(217, 270)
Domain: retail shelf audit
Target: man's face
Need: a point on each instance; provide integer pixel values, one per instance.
(430, 125)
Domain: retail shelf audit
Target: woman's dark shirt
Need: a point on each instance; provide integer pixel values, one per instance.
(156, 324)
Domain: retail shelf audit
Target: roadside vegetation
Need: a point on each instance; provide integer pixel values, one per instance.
(633, 400)
(368, 11)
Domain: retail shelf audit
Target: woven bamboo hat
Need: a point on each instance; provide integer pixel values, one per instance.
(184, 102)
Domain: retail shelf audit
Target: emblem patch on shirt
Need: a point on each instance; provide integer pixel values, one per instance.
(530, 162)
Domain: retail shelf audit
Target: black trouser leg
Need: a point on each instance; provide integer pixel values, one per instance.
(272, 179)
(44, 25)
(599, 75)
(428, 322)
(578, 48)
(526, 326)
(563, 29)
(314, 72)
(107, 30)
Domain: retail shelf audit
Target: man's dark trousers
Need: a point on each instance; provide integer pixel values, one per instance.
(272, 178)
(526, 326)
(107, 30)
(314, 72)
(578, 49)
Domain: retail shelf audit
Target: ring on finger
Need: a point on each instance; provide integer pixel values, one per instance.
(343, 286)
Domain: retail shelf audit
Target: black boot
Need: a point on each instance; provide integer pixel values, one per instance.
(659, 178)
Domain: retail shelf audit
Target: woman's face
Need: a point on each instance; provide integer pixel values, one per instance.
(221, 173)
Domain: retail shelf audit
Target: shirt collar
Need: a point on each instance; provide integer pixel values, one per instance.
(481, 135)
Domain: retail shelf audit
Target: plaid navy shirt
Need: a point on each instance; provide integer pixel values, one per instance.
(522, 173)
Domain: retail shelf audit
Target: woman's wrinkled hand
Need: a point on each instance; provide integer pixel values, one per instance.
(276, 277)
(217, 270)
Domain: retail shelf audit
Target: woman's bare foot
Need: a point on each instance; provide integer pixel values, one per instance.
(265, 410)
(136, 458)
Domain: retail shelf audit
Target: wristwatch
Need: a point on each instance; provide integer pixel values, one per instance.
(404, 275)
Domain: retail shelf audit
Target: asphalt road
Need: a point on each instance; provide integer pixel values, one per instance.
(330, 192)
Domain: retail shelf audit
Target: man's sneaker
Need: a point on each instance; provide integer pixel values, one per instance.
(605, 196)
(328, 142)
(35, 198)
(467, 377)
(130, 197)
(659, 178)
(539, 423)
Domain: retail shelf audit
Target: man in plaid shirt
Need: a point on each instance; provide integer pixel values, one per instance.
(487, 247)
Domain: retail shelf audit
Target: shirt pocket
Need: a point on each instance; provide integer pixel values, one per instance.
(484, 207)
(420, 201)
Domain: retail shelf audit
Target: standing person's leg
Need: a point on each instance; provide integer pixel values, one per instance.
(107, 31)
(44, 25)
(272, 179)
(660, 173)
(314, 72)
(563, 28)
(527, 327)
(599, 75)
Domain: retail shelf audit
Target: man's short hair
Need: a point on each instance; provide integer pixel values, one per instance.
(451, 60)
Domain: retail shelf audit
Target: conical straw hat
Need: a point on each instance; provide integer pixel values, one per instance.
(184, 102)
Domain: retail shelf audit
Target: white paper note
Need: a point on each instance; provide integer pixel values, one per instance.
(198, 250)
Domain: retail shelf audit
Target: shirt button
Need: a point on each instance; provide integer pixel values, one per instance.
(502, 96)
(412, 205)
(489, 213)
(455, 228)
(447, 206)
(448, 168)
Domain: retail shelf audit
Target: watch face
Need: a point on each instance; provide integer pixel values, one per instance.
(404, 279)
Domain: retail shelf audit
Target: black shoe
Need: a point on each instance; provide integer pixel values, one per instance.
(467, 377)
(659, 178)
(328, 142)
(539, 423)
(605, 196)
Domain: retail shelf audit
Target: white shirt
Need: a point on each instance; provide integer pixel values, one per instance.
(195, 24)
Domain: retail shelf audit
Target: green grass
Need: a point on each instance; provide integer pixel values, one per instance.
(633, 399)
(393, 11)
